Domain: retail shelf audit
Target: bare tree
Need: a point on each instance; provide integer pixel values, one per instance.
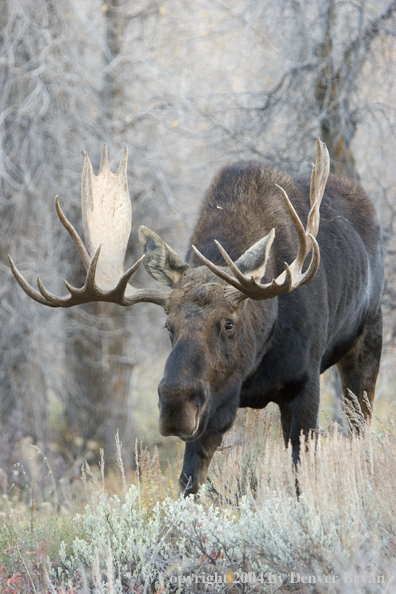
(186, 86)
(338, 79)
(63, 376)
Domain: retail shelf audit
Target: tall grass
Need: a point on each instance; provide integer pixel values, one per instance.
(247, 532)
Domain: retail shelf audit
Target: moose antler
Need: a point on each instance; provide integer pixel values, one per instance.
(107, 219)
(292, 277)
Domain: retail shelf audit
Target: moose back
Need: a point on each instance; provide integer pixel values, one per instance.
(250, 320)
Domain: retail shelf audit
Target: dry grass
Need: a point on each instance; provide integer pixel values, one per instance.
(248, 522)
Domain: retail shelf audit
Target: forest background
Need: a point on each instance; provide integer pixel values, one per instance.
(187, 87)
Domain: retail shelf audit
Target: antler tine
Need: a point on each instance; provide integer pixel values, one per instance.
(306, 239)
(313, 265)
(319, 175)
(251, 283)
(122, 170)
(90, 285)
(29, 290)
(73, 234)
(292, 277)
(302, 249)
(217, 270)
(104, 162)
(245, 282)
(107, 219)
(248, 287)
(259, 292)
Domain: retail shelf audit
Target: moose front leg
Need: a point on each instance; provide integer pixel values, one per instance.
(301, 415)
(197, 457)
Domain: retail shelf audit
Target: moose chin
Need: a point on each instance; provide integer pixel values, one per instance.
(260, 307)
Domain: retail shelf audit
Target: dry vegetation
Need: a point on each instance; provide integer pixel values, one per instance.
(248, 524)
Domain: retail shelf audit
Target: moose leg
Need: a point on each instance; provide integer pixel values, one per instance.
(197, 457)
(286, 417)
(300, 415)
(359, 368)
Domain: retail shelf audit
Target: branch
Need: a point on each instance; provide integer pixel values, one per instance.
(372, 31)
(289, 74)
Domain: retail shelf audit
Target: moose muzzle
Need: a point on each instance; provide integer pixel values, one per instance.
(180, 407)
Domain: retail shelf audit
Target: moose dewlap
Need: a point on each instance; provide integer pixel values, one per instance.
(261, 306)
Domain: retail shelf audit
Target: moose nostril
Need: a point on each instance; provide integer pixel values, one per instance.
(180, 408)
(197, 398)
(182, 423)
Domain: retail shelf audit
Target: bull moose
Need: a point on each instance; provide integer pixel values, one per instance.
(246, 328)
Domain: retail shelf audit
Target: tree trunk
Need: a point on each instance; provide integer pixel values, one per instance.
(336, 126)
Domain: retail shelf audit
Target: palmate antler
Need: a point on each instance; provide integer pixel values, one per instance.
(107, 220)
(292, 277)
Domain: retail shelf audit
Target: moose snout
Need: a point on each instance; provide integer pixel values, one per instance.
(180, 407)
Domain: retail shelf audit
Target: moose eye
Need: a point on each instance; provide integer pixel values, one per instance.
(229, 326)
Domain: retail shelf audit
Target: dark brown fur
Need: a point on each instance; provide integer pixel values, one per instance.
(226, 356)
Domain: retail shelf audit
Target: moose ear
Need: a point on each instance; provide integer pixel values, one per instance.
(161, 262)
(254, 261)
